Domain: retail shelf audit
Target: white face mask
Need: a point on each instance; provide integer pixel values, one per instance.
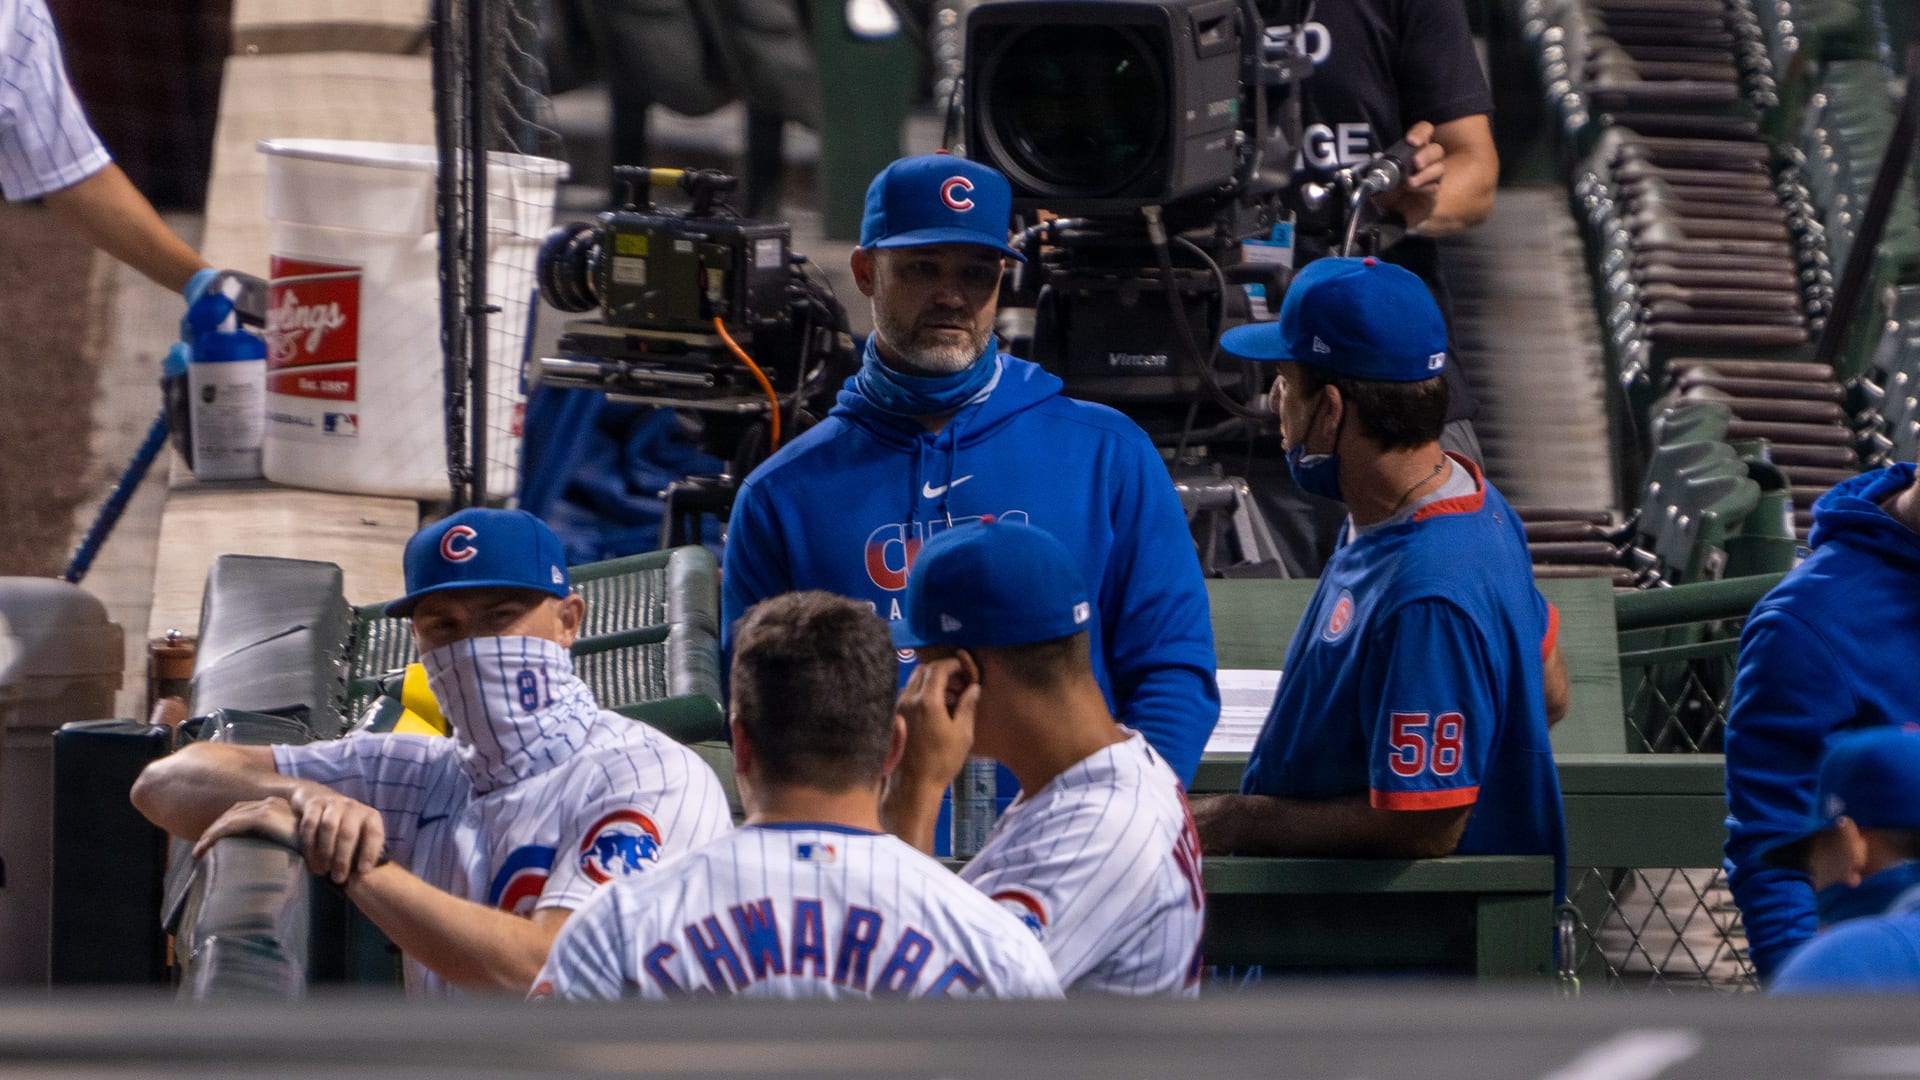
(514, 704)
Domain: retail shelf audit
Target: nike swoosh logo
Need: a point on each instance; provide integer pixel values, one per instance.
(931, 492)
(426, 821)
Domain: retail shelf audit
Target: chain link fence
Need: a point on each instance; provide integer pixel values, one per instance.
(1669, 928)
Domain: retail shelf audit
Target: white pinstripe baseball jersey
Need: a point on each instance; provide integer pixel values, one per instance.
(796, 911)
(45, 141)
(1103, 865)
(539, 798)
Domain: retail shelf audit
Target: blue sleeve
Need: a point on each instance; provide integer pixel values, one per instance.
(1156, 623)
(1786, 704)
(1861, 956)
(754, 565)
(1428, 710)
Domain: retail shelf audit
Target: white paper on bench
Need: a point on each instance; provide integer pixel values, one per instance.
(1246, 694)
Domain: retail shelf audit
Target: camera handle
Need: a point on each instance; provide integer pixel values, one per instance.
(703, 186)
(1379, 174)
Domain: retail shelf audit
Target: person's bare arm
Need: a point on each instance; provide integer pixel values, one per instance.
(1455, 171)
(1345, 827)
(186, 791)
(470, 945)
(1558, 686)
(938, 707)
(111, 214)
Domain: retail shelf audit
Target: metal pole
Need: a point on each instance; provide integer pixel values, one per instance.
(479, 70)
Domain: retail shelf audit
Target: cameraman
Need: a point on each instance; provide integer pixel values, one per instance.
(1386, 70)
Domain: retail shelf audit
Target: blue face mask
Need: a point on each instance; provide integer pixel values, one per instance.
(920, 395)
(1317, 474)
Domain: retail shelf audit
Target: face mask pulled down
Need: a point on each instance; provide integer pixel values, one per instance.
(514, 704)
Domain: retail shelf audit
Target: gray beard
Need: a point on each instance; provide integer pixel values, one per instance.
(926, 360)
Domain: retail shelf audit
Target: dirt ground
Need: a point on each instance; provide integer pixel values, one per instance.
(47, 389)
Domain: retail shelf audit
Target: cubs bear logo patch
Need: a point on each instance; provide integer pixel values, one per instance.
(624, 842)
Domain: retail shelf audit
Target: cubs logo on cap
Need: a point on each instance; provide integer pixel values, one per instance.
(480, 548)
(938, 199)
(992, 584)
(456, 544)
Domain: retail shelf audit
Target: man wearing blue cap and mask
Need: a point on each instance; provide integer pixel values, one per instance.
(1861, 850)
(1411, 719)
(939, 428)
(469, 852)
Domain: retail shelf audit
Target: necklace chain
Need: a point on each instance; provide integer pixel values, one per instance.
(1417, 485)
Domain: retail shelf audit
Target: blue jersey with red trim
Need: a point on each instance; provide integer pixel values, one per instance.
(1415, 676)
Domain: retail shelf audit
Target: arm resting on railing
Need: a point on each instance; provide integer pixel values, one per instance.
(1343, 827)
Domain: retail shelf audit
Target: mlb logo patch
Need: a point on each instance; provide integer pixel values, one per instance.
(815, 852)
(1436, 361)
(338, 423)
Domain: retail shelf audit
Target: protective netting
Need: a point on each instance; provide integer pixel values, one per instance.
(490, 105)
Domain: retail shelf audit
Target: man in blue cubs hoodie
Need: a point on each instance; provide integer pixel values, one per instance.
(1827, 651)
(939, 428)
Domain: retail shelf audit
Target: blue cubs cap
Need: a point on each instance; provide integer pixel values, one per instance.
(989, 585)
(480, 548)
(938, 199)
(1357, 317)
(1871, 776)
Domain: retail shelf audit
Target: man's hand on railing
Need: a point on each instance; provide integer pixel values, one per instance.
(270, 819)
(338, 836)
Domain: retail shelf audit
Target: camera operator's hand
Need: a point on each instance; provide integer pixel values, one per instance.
(1460, 153)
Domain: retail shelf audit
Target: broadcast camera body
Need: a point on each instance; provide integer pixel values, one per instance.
(1164, 133)
(699, 310)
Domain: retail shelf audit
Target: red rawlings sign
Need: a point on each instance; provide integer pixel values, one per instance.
(313, 314)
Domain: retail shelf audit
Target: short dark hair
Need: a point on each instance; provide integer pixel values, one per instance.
(1396, 415)
(814, 685)
(1046, 663)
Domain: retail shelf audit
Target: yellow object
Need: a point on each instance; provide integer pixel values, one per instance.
(422, 716)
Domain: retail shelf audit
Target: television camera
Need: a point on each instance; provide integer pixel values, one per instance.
(699, 310)
(1162, 136)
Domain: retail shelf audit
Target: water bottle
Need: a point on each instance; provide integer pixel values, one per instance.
(974, 806)
(227, 393)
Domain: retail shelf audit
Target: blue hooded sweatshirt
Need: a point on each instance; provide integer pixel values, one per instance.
(1828, 650)
(846, 506)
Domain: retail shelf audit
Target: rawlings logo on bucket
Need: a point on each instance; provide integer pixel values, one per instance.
(313, 313)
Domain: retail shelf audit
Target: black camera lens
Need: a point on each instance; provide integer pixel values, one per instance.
(1076, 110)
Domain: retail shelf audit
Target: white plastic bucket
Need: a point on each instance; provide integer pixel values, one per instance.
(355, 393)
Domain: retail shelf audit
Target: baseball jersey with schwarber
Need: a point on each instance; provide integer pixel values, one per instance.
(796, 910)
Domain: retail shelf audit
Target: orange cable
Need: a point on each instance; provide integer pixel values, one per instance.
(766, 386)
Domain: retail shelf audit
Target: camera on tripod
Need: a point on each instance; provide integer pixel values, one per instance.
(698, 310)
